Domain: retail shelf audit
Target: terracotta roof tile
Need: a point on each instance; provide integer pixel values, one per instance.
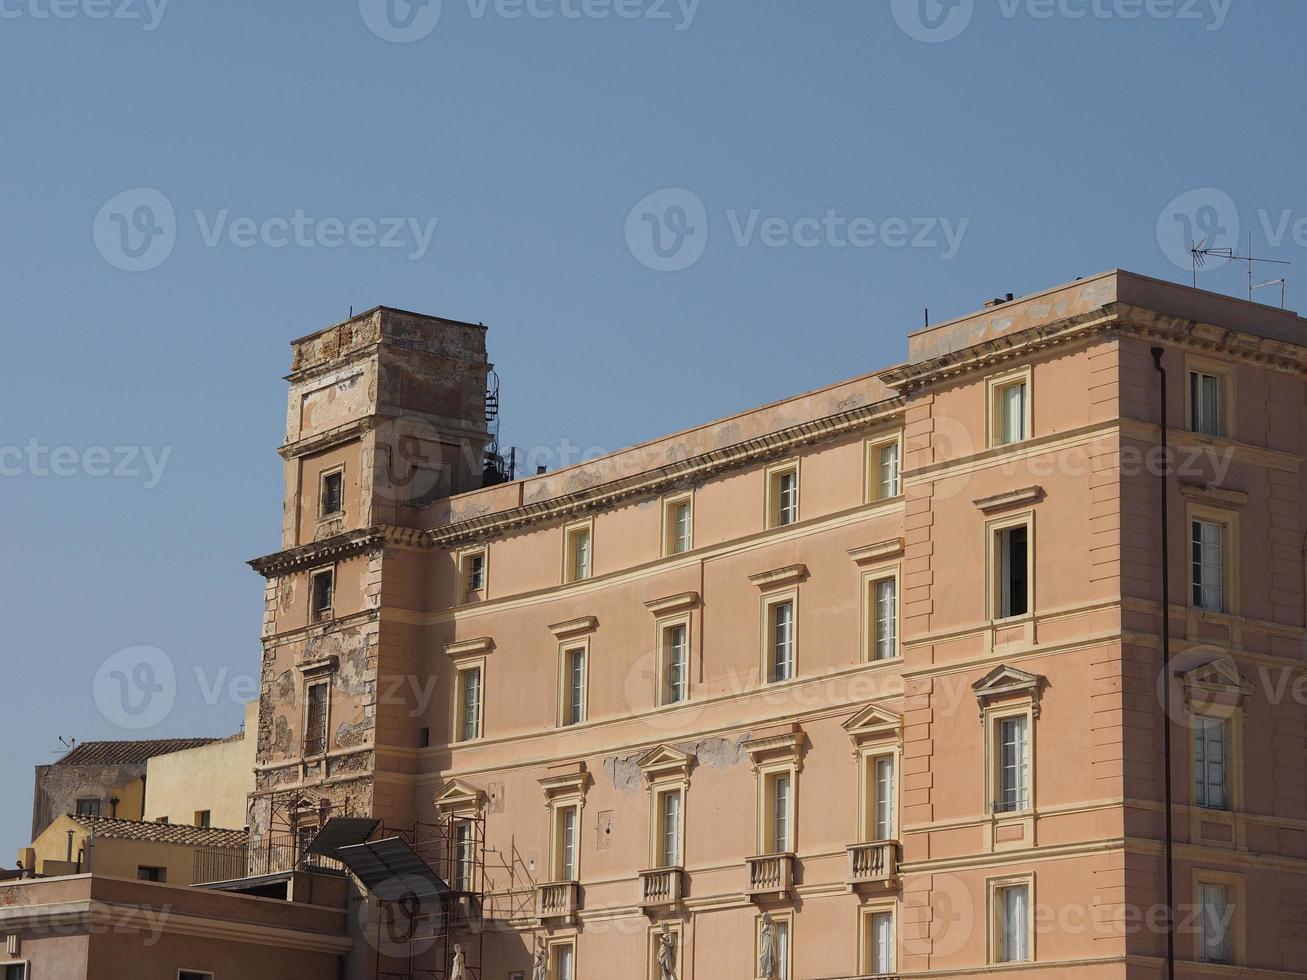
(127, 753)
(163, 833)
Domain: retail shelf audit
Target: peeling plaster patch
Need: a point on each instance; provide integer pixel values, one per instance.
(716, 753)
(624, 772)
(282, 740)
(284, 692)
(856, 400)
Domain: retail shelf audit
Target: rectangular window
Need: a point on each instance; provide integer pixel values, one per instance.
(469, 704)
(563, 966)
(574, 684)
(678, 525)
(885, 639)
(883, 471)
(322, 592)
(146, 873)
(1010, 412)
(1013, 927)
(1215, 915)
(203, 819)
(1209, 763)
(880, 943)
(194, 975)
(787, 498)
(781, 933)
(781, 631)
(1206, 404)
(577, 557)
(1013, 765)
(676, 655)
(473, 572)
(331, 499)
(1208, 541)
(315, 719)
(566, 825)
(882, 799)
(669, 835)
(15, 971)
(88, 807)
(1013, 572)
(464, 852)
(779, 801)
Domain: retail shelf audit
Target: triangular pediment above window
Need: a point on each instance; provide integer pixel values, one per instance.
(457, 795)
(874, 724)
(665, 761)
(1215, 684)
(1005, 683)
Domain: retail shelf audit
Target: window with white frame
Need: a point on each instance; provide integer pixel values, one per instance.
(678, 525)
(780, 644)
(1208, 540)
(675, 674)
(1012, 922)
(331, 493)
(472, 572)
(1210, 738)
(1010, 410)
(884, 602)
(878, 942)
(1011, 571)
(778, 788)
(574, 681)
(783, 495)
(566, 837)
(880, 783)
(577, 558)
(883, 470)
(1206, 403)
(322, 593)
(1215, 918)
(464, 855)
(1012, 755)
(470, 699)
(670, 804)
(316, 699)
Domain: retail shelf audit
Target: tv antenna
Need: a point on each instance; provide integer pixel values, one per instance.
(1201, 253)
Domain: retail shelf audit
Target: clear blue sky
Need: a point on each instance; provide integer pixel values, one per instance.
(1050, 147)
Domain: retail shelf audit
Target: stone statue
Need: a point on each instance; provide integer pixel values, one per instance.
(459, 970)
(667, 955)
(768, 957)
(540, 971)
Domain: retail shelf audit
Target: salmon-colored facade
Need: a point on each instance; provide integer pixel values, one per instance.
(864, 682)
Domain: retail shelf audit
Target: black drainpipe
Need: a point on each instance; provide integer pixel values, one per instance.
(1166, 673)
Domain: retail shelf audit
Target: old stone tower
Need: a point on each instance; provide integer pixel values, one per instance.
(386, 418)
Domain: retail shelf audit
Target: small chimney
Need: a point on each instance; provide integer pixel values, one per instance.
(990, 304)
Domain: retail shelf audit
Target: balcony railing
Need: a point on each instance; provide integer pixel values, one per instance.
(558, 899)
(874, 863)
(771, 876)
(661, 888)
(261, 856)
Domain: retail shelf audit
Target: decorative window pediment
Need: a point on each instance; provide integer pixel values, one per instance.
(574, 627)
(1005, 683)
(673, 603)
(781, 743)
(874, 724)
(880, 551)
(1215, 685)
(776, 577)
(468, 648)
(567, 782)
(459, 797)
(665, 761)
(1009, 498)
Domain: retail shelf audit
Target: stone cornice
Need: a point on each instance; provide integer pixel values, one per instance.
(334, 548)
(327, 440)
(468, 648)
(877, 552)
(655, 482)
(1215, 496)
(673, 603)
(776, 577)
(574, 627)
(1009, 498)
